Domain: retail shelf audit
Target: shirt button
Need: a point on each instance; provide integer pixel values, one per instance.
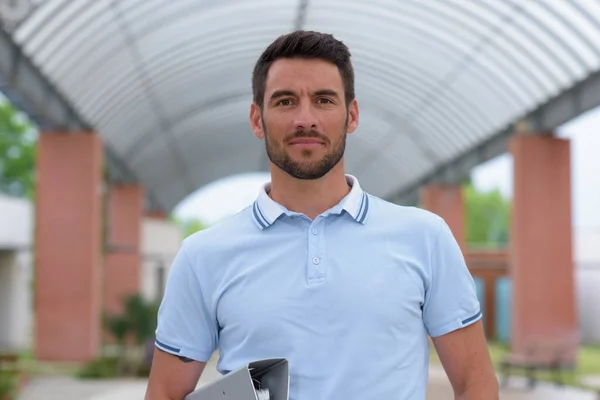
(314, 231)
(316, 260)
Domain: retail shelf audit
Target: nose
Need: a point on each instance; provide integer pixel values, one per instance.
(305, 117)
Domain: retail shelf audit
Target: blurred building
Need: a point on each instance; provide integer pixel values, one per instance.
(160, 241)
(587, 267)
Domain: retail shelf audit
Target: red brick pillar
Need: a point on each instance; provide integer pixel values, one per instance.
(544, 303)
(68, 246)
(447, 202)
(122, 268)
(156, 214)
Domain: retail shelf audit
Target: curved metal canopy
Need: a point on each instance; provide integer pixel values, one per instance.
(167, 83)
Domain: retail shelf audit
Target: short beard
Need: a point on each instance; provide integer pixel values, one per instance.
(305, 171)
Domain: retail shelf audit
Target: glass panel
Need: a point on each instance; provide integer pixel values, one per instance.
(519, 79)
(182, 108)
(512, 49)
(45, 10)
(385, 21)
(552, 35)
(497, 110)
(205, 114)
(125, 64)
(52, 26)
(195, 46)
(127, 129)
(467, 69)
(376, 176)
(98, 32)
(533, 45)
(379, 92)
(84, 77)
(405, 150)
(198, 90)
(69, 30)
(229, 39)
(240, 150)
(582, 19)
(171, 66)
(583, 16)
(152, 13)
(423, 86)
(112, 107)
(442, 43)
(570, 32)
(384, 33)
(206, 125)
(530, 30)
(70, 49)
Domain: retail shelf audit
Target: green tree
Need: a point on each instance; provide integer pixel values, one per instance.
(18, 141)
(487, 217)
(188, 226)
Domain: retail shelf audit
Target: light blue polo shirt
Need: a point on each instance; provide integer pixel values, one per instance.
(349, 298)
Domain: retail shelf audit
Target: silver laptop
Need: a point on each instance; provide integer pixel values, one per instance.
(270, 375)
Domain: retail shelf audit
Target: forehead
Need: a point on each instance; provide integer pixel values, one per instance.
(303, 73)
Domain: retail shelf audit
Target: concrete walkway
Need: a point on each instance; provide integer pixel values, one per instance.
(62, 388)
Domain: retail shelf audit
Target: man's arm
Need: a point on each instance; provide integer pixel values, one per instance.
(172, 377)
(465, 357)
(452, 315)
(186, 333)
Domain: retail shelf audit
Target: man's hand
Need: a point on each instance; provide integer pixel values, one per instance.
(172, 377)
(466, 360)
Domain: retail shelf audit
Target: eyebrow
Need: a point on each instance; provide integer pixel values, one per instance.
(327, 92)
(281, 93)
(285, 92)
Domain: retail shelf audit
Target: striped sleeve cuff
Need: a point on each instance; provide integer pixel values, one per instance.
(455, 324)
(183, 352)
(167, 348)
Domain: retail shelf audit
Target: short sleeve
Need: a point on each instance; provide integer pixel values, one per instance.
(186, 327)
(451, 299)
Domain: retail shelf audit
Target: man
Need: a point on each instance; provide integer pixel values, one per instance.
(344, 285)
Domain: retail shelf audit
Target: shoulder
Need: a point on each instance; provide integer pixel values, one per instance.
(417, 222)
(220, 238)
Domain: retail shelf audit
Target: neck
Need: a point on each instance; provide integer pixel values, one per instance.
(309, 197)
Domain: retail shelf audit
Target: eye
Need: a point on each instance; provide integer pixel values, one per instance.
(324, 100)
(284, 102)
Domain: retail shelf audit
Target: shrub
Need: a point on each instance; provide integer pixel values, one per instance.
(100, 368)
(8, 386)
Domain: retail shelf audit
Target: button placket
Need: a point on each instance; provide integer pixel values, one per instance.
(315, 270)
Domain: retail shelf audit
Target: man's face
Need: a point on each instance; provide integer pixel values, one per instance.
(304, 119)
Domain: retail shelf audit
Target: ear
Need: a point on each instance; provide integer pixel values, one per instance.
(256, 121)
(352, 116)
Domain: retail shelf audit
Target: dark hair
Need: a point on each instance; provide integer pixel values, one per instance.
(304, 44)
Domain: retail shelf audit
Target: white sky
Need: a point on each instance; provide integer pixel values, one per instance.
(228, 196)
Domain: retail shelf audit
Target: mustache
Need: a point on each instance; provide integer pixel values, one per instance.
(308, 134)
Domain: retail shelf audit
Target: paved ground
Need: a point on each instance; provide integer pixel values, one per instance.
(61, 388)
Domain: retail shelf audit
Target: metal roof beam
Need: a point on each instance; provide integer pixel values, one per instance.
(582, 97)
(31, 92)
(300, 20)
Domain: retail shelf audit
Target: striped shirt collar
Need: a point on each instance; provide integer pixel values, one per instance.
(265, 211)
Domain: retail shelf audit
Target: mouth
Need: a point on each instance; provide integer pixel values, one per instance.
(306, 142)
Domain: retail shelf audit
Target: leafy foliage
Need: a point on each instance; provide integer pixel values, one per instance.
(100, 368)
(188, 226)
(8, 385)
(18, 142)
(487, 217)
(132, 330)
